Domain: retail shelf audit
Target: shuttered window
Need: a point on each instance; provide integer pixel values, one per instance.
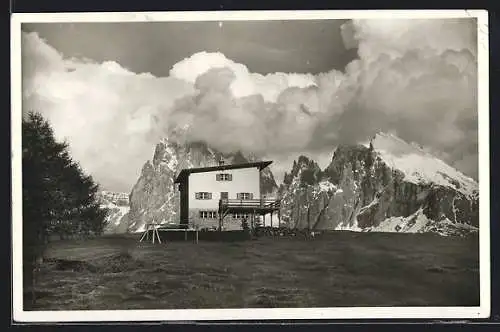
(203, 195)
(224, 177)
(208, 214)
(244, 196)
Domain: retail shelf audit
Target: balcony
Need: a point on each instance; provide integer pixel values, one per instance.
(258, 206)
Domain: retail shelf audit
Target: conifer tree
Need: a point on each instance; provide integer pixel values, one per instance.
(57, 196)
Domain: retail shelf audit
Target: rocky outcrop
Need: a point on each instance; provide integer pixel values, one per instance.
(117, 205)
(371, 188)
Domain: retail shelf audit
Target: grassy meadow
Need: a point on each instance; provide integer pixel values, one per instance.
(333, 270)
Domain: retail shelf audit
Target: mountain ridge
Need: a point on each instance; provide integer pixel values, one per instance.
(384, 184)
(371, 186)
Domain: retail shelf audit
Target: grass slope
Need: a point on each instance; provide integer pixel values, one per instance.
(335, 270)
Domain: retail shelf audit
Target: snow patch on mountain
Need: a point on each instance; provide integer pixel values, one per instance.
(328, 186)
(354, 227)
(419, 166)
(118, 208)
(414, 223)
(419, 223)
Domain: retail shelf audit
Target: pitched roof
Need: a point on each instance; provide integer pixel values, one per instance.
(187, 171)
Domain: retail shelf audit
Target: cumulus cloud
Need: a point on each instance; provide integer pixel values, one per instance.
(416, 78)
(244, 83)
(113, 118)
(106, 113)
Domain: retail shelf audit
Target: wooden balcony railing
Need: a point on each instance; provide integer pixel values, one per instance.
(249, 203)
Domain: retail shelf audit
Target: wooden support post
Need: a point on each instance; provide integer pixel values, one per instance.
(256, 218)
(223, 215)
(308, 219)
(197, 236)
(252, 219)
(308, 222)
(185, 234)
(253, 224)
(271, 220)
(279, 218)
(158, 235)
(153, 233)
(144, 234)
(220, 220)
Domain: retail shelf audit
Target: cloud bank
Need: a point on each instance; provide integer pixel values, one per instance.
(416, 78)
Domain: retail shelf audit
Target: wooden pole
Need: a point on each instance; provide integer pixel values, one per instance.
(185, 234)
(153, 231)
(253, 218)
(279, 219)
(144, 235)
(197, 236)
(157, 235)
(221, 216)
(271, 220)
(308, 221)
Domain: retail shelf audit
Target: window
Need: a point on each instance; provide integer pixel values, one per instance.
(244, 196)
(240, 215)
(208, 214)
(203, 195)
(224, 195)
(224, 177)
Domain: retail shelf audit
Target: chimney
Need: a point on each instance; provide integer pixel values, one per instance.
(221, 162)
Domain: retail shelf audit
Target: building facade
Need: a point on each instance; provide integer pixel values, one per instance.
(201, 190)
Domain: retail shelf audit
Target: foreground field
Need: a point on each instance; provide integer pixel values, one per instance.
(334, 270)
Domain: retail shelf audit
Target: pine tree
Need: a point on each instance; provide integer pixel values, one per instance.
(57, 196)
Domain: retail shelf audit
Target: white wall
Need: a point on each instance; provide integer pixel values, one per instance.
(229, 223)
(244, 180)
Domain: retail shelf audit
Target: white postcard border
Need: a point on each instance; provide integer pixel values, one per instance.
(482, 311)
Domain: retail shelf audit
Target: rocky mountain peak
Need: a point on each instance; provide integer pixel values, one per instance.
(419, 166)
(306, 169)
(154, 197)
(386, 184)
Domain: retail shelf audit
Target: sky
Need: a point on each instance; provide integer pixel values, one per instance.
(277, 89)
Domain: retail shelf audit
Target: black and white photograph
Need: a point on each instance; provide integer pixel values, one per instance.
(250, 165)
